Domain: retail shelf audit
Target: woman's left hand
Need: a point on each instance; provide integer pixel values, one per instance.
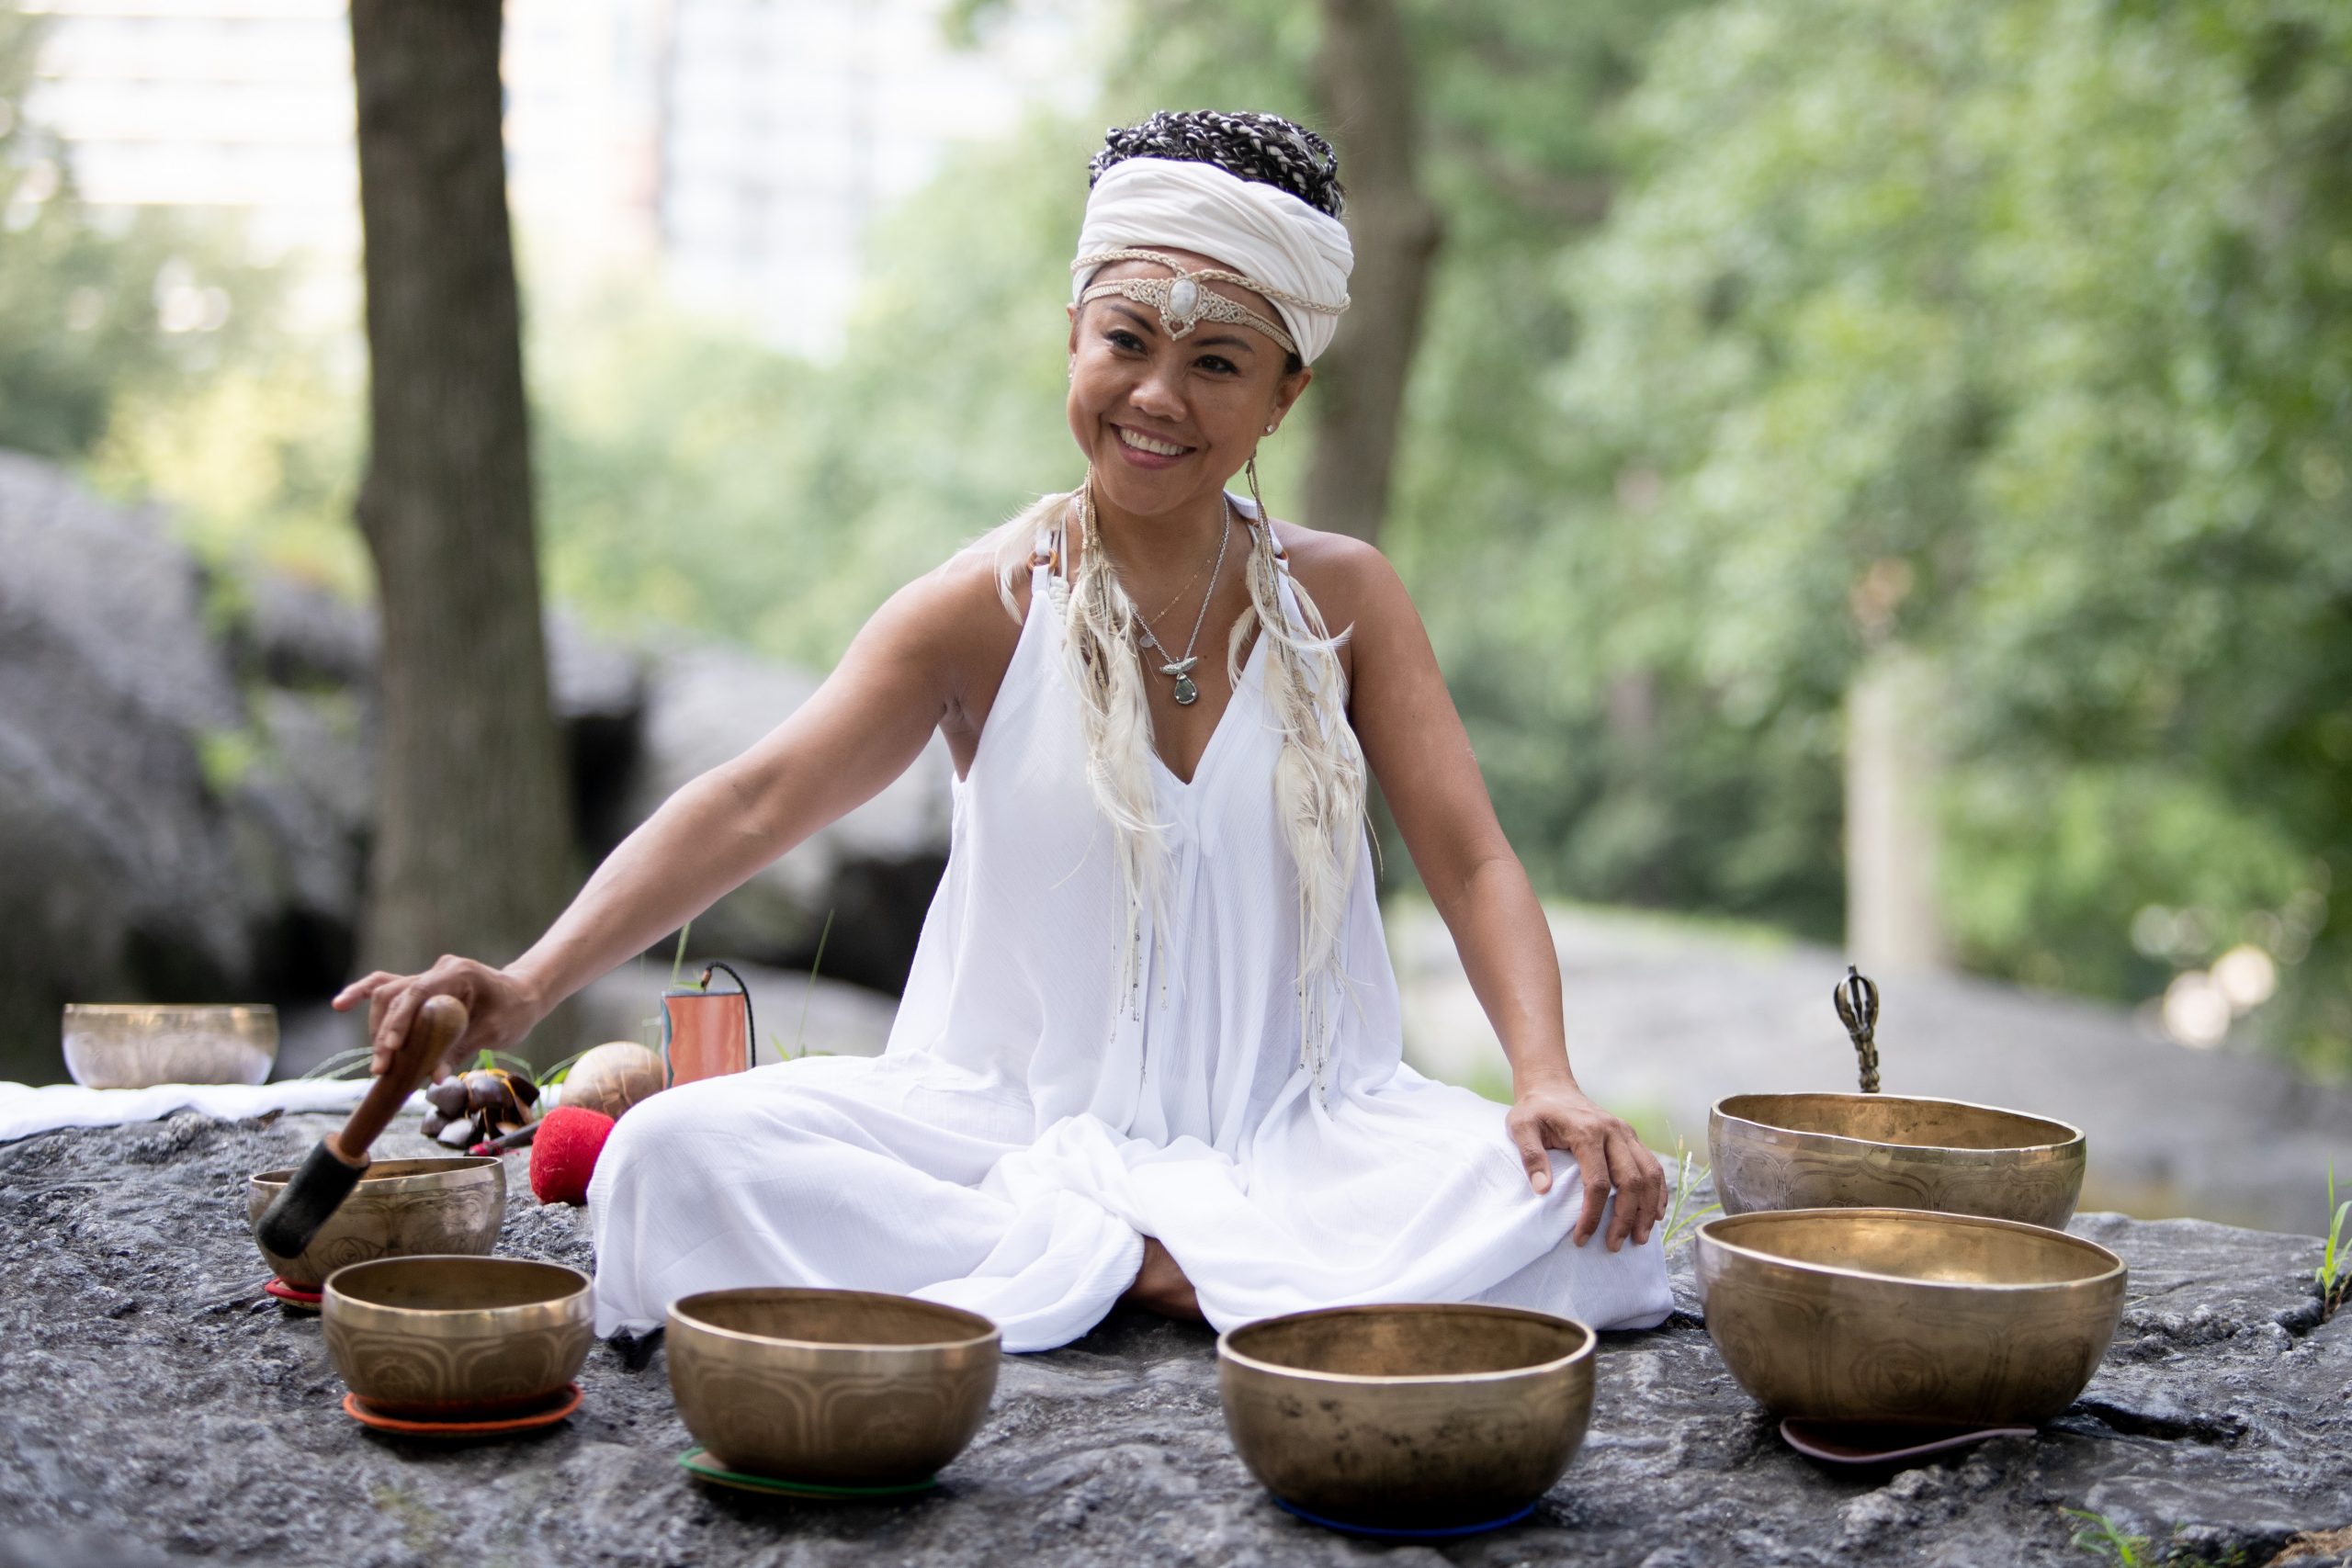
(1604, 1148)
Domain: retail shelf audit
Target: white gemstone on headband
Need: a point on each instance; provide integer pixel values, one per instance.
(1184, 298)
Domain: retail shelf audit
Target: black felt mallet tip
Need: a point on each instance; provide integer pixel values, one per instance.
(325, 1179)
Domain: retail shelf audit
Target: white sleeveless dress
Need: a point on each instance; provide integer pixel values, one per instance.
(1021, 1132)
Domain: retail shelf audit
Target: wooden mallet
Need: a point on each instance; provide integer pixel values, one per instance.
(338, 1162)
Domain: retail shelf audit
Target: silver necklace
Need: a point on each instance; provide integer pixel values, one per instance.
(1187, 694)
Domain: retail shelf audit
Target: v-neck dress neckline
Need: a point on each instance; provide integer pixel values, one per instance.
(1251, 689)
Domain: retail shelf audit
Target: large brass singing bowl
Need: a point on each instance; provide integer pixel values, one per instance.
(1409, 1417)
(452, 1338)
(1860, 1150)
(401, 1207)
(1893, 1314)
(138, 1046)
(835, 1388)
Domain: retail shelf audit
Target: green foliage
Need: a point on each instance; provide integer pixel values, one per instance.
(2101, 1538)
(2334, 1270)
(1683, 1212)
(692, 478)
(92, 312)
(1987, 330)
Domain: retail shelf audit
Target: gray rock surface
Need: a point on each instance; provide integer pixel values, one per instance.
(153, 1403)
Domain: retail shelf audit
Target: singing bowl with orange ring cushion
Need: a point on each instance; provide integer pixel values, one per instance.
(457, 1337)
(1892, 1151)
(829, 1388)
(1899, 1315)
(401, 1208)
(1417, 1419)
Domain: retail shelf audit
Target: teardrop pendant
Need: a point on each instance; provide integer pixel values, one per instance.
(1187, 694)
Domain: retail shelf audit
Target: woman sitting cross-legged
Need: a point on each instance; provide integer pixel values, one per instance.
(1149, 1048)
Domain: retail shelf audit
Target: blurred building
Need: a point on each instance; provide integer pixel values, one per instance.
(739, 146)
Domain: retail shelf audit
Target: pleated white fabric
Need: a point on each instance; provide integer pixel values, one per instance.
(1022, 1133)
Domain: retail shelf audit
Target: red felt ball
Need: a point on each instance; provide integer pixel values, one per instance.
(563, 1154)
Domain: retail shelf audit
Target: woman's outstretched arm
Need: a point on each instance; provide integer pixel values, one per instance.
(1414, 743)
(861, 729)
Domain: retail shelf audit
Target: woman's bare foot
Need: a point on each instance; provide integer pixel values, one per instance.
(1161, 1287)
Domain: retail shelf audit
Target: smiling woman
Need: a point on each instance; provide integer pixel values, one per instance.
(1149, 1049)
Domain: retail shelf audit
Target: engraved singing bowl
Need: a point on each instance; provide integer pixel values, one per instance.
(1887, 1151)
(401, 1207)
(138, 1046)
(457, 1337)
(1894, 1315)
(835, 1388)
(1407, 1417)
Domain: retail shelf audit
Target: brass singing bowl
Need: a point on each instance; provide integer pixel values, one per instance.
(138, 1046)
(1414, 1417)
(457, 1337)
(1862, 1151)
(401, 1207)
(837, 1388)
(1893, 1314)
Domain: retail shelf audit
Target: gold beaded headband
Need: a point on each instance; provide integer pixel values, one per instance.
(1183, 304)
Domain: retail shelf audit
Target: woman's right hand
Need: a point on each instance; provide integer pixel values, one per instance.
(501, 1007)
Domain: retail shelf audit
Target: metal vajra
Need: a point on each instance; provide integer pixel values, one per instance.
(1856, 1001)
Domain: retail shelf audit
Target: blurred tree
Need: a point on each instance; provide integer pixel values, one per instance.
(2017, 331)
(1365, 88)
(470, 852)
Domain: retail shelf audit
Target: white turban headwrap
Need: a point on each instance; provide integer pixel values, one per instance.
(1248, 227)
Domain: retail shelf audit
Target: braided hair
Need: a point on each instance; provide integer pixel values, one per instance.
(1262, 148)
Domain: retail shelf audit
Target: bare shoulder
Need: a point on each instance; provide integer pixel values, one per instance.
(946, 610)
(1348, 578)
(954, 620)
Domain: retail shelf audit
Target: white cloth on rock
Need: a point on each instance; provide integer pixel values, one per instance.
(1022, 1133)
(25, 1110)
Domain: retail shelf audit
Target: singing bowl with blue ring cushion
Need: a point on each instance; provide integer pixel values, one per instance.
(1411, 1419)
(1900, 1315)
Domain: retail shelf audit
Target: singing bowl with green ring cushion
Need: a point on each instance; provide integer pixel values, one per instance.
(1866, 1151)
(401, 1208)
(457, 1337)
(829, 1388)
(1407, 1417)
(1896, 1314)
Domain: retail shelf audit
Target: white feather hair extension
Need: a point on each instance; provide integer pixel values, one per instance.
(1319, 791)
(1104, 668)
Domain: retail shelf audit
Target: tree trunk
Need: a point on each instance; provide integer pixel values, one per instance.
(1364, 78)
(472, 852)
(1893, 919)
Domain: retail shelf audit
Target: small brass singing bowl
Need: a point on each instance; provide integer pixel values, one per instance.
(401, 1208)
(829, 1388)
(1893, 1314)
(457, 1337)
(1863, 1151)
(138, 1046)
(1409, 1418)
